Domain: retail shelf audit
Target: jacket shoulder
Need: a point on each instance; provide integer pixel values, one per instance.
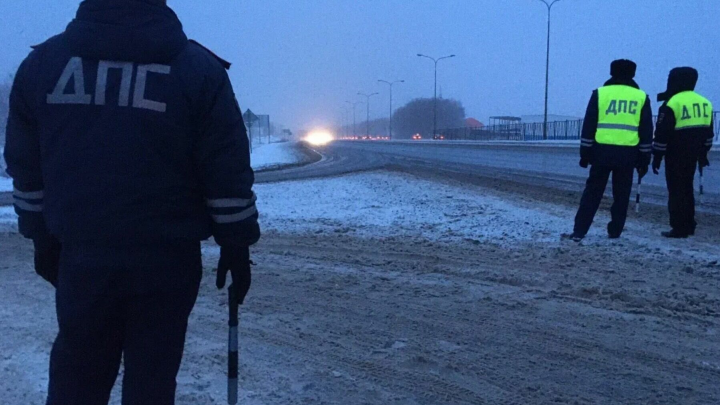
(197, 50)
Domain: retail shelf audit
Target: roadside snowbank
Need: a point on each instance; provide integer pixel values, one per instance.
(391, 205)
(386, 204)
(5, 183)
(276, 154)
(8, 219)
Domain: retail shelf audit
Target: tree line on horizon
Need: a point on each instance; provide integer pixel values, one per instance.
(415, 117)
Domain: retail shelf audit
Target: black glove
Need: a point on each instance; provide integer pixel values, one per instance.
(642, 171)
(47, 258)
(235, 260)
(704, 162)
(584, 163)
(657, 161)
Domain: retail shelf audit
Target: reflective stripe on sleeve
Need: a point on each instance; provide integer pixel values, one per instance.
(28, 195)
(27, 206)
(231, 202)
(240, 216)
(659, 146)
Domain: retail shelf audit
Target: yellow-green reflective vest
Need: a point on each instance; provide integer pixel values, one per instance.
(691, 110)
(619, 112)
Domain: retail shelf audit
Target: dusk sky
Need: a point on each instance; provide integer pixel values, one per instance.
(299, 60)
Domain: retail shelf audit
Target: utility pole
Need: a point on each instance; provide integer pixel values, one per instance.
(354, 104)
(390, 117)
(547, 66)
(435, 92)
(367, 122)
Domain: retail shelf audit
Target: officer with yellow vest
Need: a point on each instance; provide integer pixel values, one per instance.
(684, 136)
(617, 140)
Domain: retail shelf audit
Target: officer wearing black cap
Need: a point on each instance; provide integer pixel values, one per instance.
(684, 136)
(616, 139)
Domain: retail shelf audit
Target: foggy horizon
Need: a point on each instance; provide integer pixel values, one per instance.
(300, 61)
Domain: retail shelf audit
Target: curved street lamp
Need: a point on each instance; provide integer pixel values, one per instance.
(547, 66)
(390, 132)
(354, 104)
(435, 93)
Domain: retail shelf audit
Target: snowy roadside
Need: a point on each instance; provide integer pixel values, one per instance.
(275, 155)
(5, 183)
(383, 205)
(8, 219)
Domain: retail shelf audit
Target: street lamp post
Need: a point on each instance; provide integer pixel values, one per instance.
(547, 66)
(354, 104)
(390, 131)
(345, 120)
(435, 93)
(367, 123)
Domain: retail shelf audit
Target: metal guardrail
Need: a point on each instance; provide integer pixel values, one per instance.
(533, 131)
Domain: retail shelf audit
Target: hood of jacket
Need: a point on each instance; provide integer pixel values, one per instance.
(142, 31)
(679, 80)
(614, 81)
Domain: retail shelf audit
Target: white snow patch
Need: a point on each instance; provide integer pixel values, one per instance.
(275, 154)
(385, 205)
(382, 204)
(6, 183)
(8, 219)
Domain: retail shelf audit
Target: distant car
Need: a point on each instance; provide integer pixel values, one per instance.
(438, 137)
(416, 137)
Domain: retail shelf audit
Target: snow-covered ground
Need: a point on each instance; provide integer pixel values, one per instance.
(385, 288)
(265, 156)
(5, 183)
(400, 205)
(8, 219)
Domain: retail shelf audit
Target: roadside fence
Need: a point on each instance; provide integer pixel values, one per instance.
(531, 131)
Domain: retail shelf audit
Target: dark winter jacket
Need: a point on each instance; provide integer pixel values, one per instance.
(122, 131)
(614, 155)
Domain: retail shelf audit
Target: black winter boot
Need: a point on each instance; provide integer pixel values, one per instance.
(673, 234)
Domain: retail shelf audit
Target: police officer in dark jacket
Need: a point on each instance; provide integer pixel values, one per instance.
(127, 148)
(684, 136)
(617, 140)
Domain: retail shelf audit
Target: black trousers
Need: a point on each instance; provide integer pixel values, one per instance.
(622, 181)
(131, 303)
(680, 177)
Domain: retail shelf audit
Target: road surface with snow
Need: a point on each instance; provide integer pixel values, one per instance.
(413, 285)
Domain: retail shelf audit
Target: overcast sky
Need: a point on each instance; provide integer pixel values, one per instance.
(299, 60)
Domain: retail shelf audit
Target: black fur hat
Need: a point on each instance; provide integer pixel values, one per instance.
(680, 79)
(623, 69)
